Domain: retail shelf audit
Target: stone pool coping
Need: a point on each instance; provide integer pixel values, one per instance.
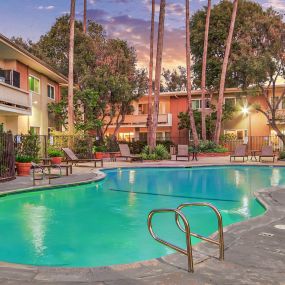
(171, 267)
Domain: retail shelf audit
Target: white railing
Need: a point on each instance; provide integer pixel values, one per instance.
(141, 120)
(14, 98)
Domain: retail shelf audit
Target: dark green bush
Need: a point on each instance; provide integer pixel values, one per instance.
(159, 153)
(208, 146)
(52, 152)
(24, 158)
(282, 155)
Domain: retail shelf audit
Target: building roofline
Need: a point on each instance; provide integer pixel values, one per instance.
(24, 52)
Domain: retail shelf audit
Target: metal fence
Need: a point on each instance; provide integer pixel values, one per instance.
(82, 144)
(256, 143)
(7, 157)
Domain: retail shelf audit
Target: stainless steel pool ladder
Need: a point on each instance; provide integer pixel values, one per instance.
(186, 229)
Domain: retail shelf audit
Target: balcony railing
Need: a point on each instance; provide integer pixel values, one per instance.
(141, 120)
(13, 99)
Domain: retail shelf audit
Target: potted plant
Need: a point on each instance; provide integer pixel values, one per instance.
(99, 151)
(55, 155)
(23, 164)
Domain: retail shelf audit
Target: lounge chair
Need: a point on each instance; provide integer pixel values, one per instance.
(267, 151)
(126, 153)
(182, 151)
(41, 169)
(73, 159)
(240, 151)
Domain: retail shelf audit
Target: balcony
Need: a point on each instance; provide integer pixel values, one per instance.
(14, 100)
(164, 120)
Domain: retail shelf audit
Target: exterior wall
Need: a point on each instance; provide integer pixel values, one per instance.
(24, 75)
(39, 117)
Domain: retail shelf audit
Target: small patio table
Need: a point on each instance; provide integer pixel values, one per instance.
(194, 155)
(253, 153)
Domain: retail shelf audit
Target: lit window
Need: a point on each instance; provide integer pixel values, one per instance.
(34, 84)
(50, 92)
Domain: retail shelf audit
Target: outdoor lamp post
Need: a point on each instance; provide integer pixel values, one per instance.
(245, 111)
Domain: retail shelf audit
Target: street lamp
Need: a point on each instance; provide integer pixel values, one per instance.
(245, 111)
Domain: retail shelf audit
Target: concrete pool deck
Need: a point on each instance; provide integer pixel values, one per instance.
(254, 253)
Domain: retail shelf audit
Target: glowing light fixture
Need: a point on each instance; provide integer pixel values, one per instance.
(245, 110)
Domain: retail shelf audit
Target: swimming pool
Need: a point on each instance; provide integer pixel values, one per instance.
(104, 223)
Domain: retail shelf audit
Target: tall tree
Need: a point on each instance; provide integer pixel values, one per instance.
(85, 16)
(158, 72)
(70, 68)
(150, 76)
(224, 72)
(188, 68)
(204, 68)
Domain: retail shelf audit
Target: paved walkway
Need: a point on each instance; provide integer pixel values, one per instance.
(255, 251)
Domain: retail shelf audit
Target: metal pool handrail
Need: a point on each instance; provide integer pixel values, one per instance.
(188, 250)
(187, 231)
(220, 241)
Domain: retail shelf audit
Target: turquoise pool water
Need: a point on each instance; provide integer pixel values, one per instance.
(104, 223)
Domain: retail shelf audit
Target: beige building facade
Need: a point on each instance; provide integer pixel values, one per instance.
(27, 86)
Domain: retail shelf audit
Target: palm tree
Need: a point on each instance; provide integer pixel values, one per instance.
(188, 67)
(70, 68)
(85, 17)
(204, 66)
(224, 72)
(158, 72)
(149, 117)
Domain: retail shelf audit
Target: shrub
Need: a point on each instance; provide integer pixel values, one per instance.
(99, 148)
(52, 152)
(24, 158)
(111, 144)
(28, 146)
(83, 146)
(208, 146)
(282, 155)
(159, 153)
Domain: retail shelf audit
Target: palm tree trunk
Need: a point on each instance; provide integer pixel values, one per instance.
(70, 68)
(223, 74)
(149, 117)
(188, 67)
(204, 66)
(85, 17)
(158, 71)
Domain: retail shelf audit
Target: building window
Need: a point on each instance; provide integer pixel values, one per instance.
(196, 104)
(230, 101)
(143, 109)
(34, 84)
(143, 137)
(51, 91)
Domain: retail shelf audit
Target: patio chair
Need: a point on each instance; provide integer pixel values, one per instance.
(41, 169)
(126, 153)
(73, 159)
(267, 151)
(182, 151)
(240, 151)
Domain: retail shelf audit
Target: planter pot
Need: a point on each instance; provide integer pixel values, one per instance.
(23, 168)
(56, 160)
(213, 154)
(99, 155)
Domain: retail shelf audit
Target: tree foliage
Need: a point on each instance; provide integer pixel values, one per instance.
(105, 74)
(184, 123)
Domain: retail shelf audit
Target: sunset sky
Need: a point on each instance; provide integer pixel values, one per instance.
(126, 19)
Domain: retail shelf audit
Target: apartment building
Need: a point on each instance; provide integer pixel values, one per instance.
(27, 85)
(245, 122)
